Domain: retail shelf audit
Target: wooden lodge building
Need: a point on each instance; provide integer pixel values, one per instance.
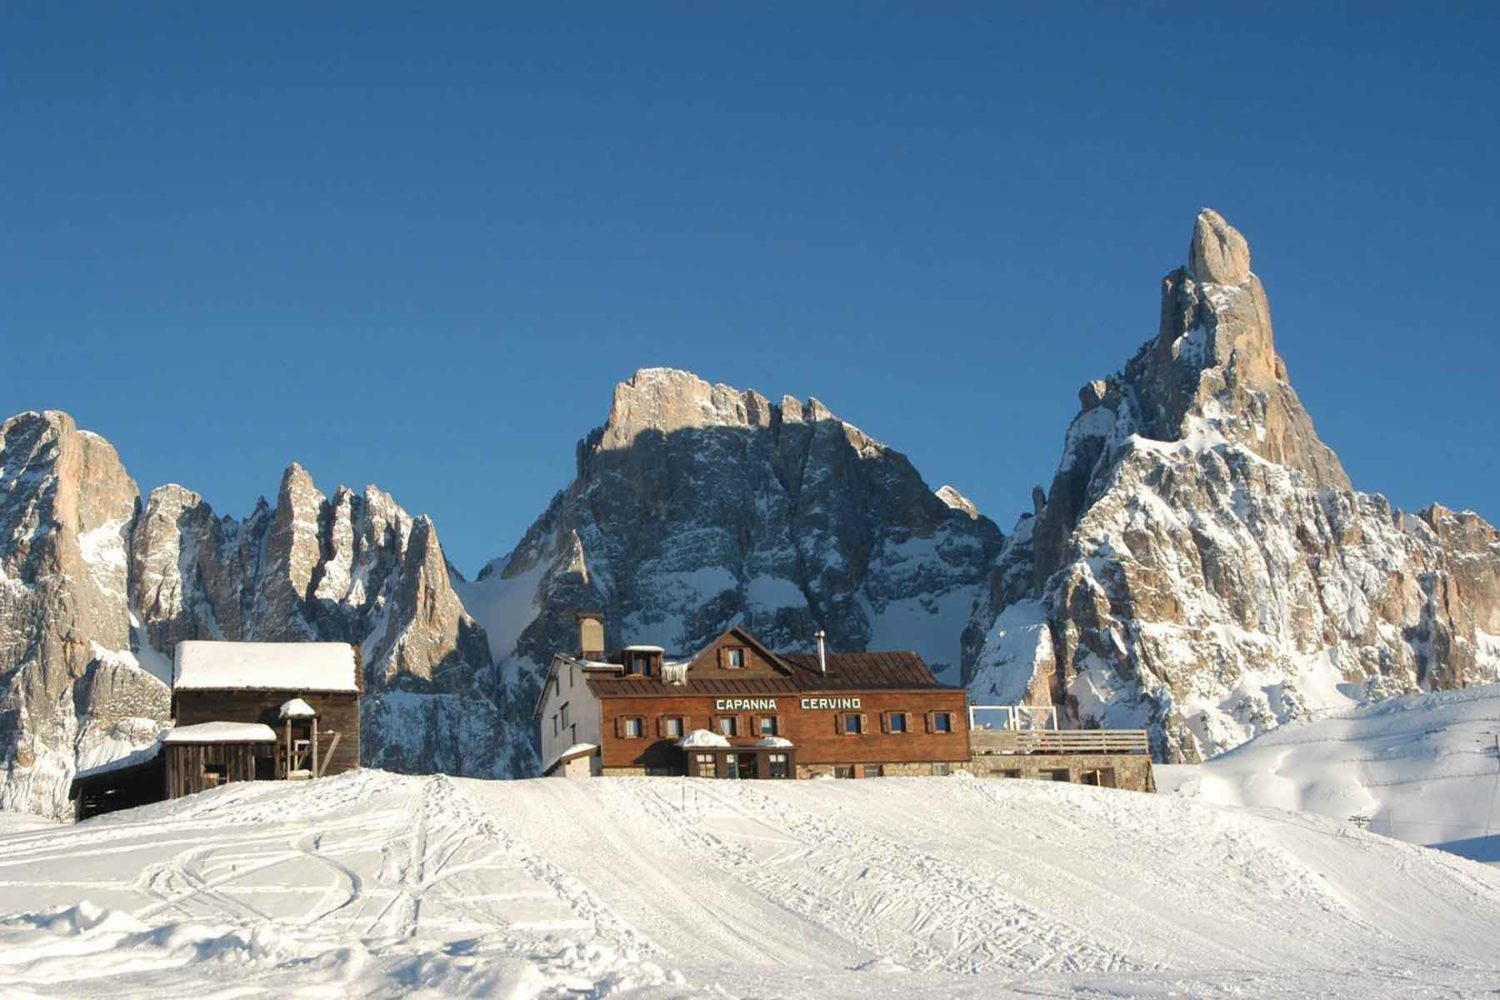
(737, 709)
(242, 711)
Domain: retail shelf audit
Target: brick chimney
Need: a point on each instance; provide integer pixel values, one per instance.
(591, 635)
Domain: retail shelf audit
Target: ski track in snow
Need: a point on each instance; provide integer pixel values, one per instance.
(382, 885)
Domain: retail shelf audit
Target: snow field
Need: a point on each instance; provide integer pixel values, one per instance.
(376, 884)
(1421, 768)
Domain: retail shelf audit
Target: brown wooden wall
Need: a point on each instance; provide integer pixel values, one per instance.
(336, 713)
(814, 732)
(185, 764)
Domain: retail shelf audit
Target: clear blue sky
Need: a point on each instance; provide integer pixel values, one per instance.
(418, 244)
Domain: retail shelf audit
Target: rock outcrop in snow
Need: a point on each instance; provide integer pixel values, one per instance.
(697, 505)
(95, 595)
(1201, 565)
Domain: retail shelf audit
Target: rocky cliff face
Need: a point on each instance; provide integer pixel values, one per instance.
(1201, 565)
(70, 689)
(696, 506)
(96, 594)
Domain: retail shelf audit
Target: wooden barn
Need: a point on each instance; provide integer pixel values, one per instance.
(242, 711)
(306, 693)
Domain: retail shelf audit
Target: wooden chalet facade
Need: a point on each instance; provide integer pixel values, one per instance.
(242, 711)
(737, 709)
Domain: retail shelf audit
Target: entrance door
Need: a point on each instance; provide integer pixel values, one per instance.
(747, 768)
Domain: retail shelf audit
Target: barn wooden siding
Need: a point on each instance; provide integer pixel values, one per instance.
(187, 765)
(338, 712)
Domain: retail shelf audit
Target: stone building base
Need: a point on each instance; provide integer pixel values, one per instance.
(1128, 771)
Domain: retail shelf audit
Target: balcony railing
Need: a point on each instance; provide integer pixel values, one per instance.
(1026, 729)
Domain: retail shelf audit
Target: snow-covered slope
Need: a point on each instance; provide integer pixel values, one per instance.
(1421, 768)
(697, 506)
(374, 884)
(1201, 566)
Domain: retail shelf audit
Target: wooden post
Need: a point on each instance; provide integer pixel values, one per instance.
(332, 745)
(312, 765)
(286, 769)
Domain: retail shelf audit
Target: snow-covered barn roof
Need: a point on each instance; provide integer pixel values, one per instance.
(204, 665)
(221, 732)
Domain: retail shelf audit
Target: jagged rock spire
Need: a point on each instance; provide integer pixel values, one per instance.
(1218, 254)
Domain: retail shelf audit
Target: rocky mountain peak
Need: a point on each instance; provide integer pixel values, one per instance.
(668, 400)
(700, 505)
(1218, 254)
(1201, 565)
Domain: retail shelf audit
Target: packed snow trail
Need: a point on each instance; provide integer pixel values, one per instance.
(382, 885)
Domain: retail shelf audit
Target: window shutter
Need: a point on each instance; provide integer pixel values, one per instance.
(885, 721)
(864, 724)
(931, 725)
(778, 724)
(906, 721)
(619, 727)
(838, 724)
(661, 726)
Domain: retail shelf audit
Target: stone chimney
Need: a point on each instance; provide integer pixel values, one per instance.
(591, 635)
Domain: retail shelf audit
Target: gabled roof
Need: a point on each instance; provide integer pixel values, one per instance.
(895, 671)
(577, 661)
(201, 665)
(747, 637)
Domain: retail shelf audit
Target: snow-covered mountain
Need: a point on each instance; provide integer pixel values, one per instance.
(1424, 768)
(1201, 565)
(696, 506)
(96, 591)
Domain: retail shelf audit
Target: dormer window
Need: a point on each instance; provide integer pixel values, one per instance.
(734, 657)
(642, 661)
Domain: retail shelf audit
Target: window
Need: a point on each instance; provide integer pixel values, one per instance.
(766, 725)
(1056, 774)
(843, 770)
(671, 727)
(563, 712)
(640, 663)
(727, 725)
(631, 728)
(941, 769)
(706, 768)
(555, 727)
(215, 774)
(942, 722)
(895, 722)
(734, 658)
(853, 725)
(778, 765)
(874, 770)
